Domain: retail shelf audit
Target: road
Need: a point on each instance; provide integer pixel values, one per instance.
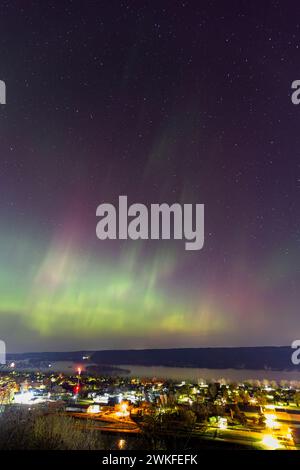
(241, 436)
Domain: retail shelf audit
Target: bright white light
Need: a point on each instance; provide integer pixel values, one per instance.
(93, 409)
(289, 434)
(121, 443)
(124, 411)
(122, 414)
(24, 398)
(271, 442)
(102, 399)
(124, 407)
(222, 423)
(271, 422)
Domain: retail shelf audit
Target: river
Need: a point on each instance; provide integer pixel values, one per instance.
(184, 373)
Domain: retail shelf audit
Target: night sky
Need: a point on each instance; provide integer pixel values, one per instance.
(162, 101)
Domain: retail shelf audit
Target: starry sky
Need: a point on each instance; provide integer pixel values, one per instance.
(169, 101)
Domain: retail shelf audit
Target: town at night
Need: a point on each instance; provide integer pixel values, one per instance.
(85, 408)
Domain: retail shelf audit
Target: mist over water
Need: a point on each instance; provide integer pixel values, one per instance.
(210, 375)
(191, 374)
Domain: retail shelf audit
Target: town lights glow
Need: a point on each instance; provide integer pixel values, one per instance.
(270, 442)
(121, 444)
(289, 434)
(222, 423)
(123, 410)
(24, 398)
(124, 407)
(253, 401)
(271, 421)
(93, 409)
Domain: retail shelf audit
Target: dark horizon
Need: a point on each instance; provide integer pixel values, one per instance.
(256, 358)
(146, 349)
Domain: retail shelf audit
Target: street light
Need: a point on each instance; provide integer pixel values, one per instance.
(121, 443)
(271, 421)
(270, 442)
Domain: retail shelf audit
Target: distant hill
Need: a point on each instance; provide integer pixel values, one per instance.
(256, 358)
(275, 358)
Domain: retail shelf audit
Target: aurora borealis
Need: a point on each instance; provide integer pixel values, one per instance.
(180, 102)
